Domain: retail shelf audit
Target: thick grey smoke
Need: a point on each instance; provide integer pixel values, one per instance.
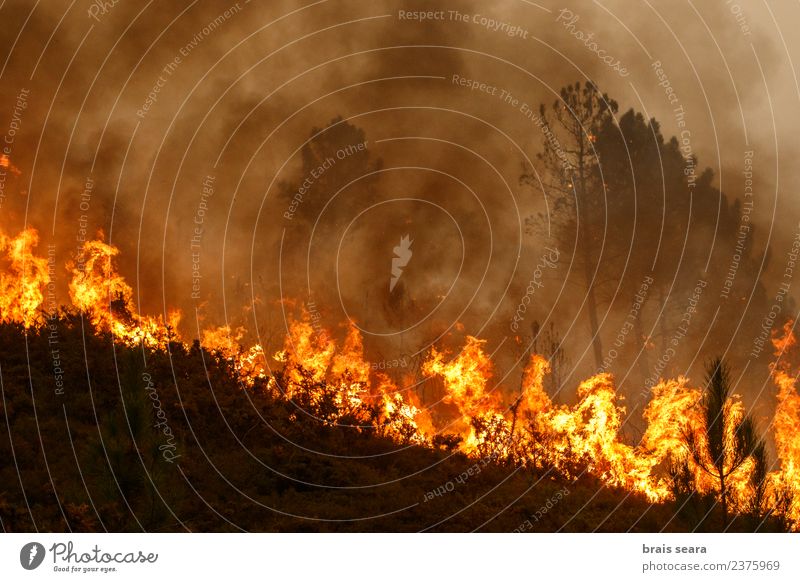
(185, 131)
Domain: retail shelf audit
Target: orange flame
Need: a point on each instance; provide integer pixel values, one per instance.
(587, 434)
(786, 424)
(23, 283)
(98, 290)
(5, 162)
(465, 378)
(336, 384)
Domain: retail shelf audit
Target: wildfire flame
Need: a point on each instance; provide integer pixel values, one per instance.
(5, 162)
(786, 424)
(332, 381)
(97, 289)
(23, 281)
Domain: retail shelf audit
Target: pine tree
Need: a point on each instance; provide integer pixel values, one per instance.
(727, 441)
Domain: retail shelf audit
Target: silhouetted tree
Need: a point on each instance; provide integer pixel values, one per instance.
(758, 482)
(547, 341)
(727, 441)
(629, 203)
(573, 184)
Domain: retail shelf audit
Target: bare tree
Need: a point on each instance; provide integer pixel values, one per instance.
(574, 186)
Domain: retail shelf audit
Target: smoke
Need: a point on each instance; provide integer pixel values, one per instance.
(247, 152)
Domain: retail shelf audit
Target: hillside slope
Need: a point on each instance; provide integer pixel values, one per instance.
(99, 437)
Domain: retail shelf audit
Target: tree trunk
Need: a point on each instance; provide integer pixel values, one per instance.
(591, 304)
(584, 218)
(724, 496)
(643, 360)
(663, 324)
